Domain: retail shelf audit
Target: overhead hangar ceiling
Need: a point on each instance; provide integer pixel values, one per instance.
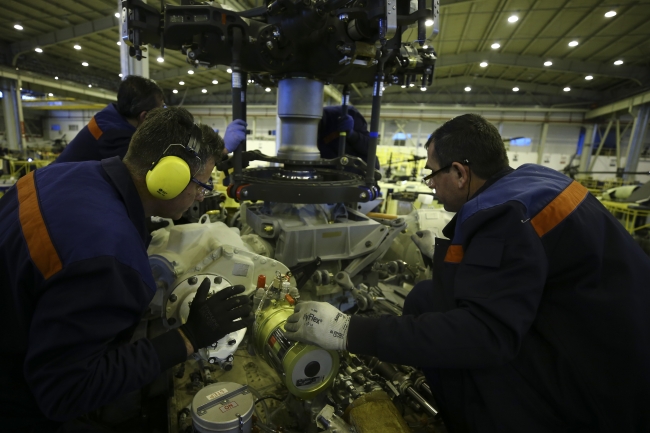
(490, 52)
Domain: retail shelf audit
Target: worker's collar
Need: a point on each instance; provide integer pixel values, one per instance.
(450, 228)
(121, 178)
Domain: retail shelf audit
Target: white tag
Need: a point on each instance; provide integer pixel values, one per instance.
(222, 391)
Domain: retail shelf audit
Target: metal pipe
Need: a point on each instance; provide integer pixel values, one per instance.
(300, 109)
(374, 125)
(238, 106)
(344, 113)
(425, 404)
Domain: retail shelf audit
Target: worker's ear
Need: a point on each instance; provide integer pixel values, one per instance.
(141, 117)
(461, 172)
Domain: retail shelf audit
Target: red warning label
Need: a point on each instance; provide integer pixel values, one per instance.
(226, 407)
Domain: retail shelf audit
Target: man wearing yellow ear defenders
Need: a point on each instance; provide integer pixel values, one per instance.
(75, 275)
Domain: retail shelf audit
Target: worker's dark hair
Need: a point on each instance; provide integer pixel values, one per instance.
(470, 137)
(165, 126)
(137, 94)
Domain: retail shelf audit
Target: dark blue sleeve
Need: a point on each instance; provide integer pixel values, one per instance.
(114, 142)
(498, 286)
(78, 356)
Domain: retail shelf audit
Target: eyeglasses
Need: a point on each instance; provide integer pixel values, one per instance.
(428, 180)
(204, 187)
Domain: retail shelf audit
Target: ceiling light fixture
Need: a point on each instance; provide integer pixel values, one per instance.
(117, 14)
(120, 75)
(50, 94)
(513, 18)
(468, 89)
(589, 77)
(230, 72)
(610, 14)
(403, 86)
(56, 78)
(90, 85)
(160, 59)
(411, 84)
(38, 50)
(268, 89)
(548, 63)
(174, 91)
(567, 89)
(84, 63)
(217, 81)
(204, 90)
(77, 47)
(573, 43)
(119, 43)
(618, 62)
(191, 72)
(18, 27)
(495, 46)
(428, 23)
(515, 89)
(483, 64)
(181, 83)
(424, 89)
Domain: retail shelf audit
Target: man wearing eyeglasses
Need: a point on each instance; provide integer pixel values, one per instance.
(538, 315)
(75, 278)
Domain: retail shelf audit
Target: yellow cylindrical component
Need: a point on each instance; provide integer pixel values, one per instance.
(375, 413)
(306, 370)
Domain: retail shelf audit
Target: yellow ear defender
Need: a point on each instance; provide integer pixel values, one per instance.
(170, 175)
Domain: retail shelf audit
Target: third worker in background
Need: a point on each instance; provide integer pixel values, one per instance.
(109, 132)
(355, 127)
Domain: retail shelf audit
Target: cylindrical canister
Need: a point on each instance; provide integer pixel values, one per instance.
(224, 407)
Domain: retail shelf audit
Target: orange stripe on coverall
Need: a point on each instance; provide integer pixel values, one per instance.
(94, 129)
(454, 254)
(39, 243)
(561, 207)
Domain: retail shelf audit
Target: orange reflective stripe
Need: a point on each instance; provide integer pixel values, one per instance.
(454, 254)
(93, 127)
(560, 208)
(40, 245)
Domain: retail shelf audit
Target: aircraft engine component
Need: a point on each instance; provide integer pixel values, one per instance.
(178, 309)
(223, 407)
(181, 257)
(306, 370)
(376, 413)
(177, 253)
(302, 233)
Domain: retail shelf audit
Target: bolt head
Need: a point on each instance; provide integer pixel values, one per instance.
(192, 280)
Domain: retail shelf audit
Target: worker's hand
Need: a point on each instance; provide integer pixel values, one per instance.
(211, 319)
(235, 134)
(346, 123)
(425, 241)
(318, 323)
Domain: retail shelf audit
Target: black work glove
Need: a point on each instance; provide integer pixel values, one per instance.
(212, 319)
